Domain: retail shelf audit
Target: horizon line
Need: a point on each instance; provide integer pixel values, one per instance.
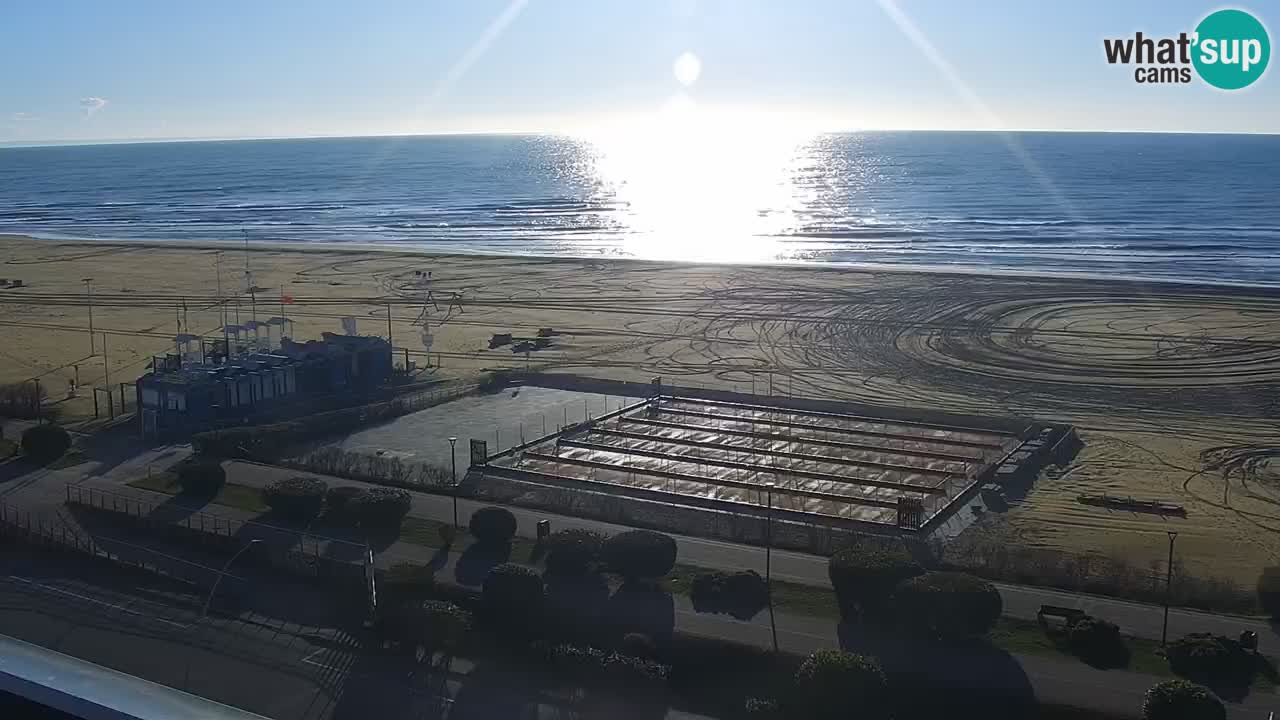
(14, 144)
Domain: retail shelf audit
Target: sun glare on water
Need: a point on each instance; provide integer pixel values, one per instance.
(698, 184)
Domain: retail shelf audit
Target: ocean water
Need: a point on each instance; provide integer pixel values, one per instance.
(1202, 207)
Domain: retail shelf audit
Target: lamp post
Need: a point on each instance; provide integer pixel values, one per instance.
(205, 610)
(453, 464)
(768, 560)
(88, 292)
(1168, 588)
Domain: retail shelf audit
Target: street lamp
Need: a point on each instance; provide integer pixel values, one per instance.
(1168, 589)
(768, 560)
(453, 464)
(205, 610)
(88, 291)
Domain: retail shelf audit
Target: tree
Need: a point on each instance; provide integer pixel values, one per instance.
(640, 554)
(512, 597)
(1181, 700)
(202, 477)
(1269, 590)
(573, 552)
(45, 443)
(837, 685)
(864, 578)
(948, 605)
(297, 499)
(380, 508)
(493, 526)
(740, 594)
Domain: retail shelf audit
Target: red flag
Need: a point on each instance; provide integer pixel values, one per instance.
(286, 299)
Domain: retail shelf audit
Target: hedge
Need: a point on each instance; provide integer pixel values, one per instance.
(640, 554)
(202, 477)
(740, 594)
(573, 552)
(590, 666)
(948, 605)
(839, 685)
(1209, 658)
(45, 443)
(864, 578)
(1097, 641)
(297, 499)
(336, 501)
(380, 508)
(512, 597)
(1181, 700)
(492, 525)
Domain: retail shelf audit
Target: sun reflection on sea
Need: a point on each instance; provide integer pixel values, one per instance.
(701, 185)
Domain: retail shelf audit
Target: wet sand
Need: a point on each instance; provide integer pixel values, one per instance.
(1176, 388)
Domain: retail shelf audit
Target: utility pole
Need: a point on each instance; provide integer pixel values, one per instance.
(1168, 588)
(389, 325)
(88, 291)
(768, 575)
(453, 463)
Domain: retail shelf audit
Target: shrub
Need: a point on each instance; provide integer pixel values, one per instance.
(380, 508)
(298, 499)
(441, 625)
(1097, 641)
(740, 594)
(948, 605)
(1208, 658)
(21, 400)
(493, 525)
(512, 597)
(640, 554)
(573, 552)
(638, 645)
(864, 578)
(336, 501)
(1181, 700)
(45, 443)
(1269, 591)
(590, 666)
(202, 477)
(835, 684)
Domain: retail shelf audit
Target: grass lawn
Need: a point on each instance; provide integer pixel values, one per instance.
(233, 495)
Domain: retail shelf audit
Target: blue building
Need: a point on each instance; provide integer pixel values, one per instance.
(176, 400)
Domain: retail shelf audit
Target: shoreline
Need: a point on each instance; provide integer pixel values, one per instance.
(1135, 281)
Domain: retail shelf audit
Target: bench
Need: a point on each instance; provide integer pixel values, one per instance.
(1068, 615)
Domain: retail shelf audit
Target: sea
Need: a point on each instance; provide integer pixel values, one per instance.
(1163, 206)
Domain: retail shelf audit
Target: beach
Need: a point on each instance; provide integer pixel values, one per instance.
(1174, 387)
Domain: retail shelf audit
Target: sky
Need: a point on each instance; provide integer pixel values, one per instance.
(84, 70)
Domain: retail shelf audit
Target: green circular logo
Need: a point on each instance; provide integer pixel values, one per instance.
(1231, 49)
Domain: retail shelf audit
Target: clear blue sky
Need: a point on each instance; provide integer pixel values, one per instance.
(116, 69)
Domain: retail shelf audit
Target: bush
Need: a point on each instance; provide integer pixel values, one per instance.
(590, 666)
(573, 552)
(948, 605)
(1097, 642)
(21, 400)
(1210, 659)
(512, 597)
(441, 625)
(493, 525)
(380, 509)
(639, 645)
(835, 684)
(640, 554)
(1269, 591)
(1181, 700)
(336, 501)
(740, 594)
(202, 477)
(45, 443)
(864, 578)
(298, 499)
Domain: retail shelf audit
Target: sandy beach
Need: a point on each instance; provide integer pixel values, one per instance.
(1175, 388)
